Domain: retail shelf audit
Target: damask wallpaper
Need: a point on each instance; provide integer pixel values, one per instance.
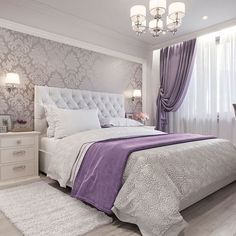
(43, 62)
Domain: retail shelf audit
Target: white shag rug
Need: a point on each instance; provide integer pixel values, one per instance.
(39, 209)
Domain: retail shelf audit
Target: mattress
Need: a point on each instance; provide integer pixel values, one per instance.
(47, 147)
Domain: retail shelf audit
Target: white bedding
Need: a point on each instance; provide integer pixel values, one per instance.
(156, 180)
(48, 145)
(70, 150)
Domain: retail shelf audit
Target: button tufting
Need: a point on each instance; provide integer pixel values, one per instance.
(108, 105)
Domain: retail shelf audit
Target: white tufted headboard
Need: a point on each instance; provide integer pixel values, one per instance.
(108, 104)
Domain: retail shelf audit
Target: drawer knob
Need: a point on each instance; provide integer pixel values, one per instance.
(19, 153)
(18, 142)
(18, 168)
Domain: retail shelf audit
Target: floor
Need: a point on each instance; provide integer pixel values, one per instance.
(213, 216)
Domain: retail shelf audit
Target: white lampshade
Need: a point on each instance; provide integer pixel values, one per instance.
(137, 93)
(176, 10)
(12, 79)
(157, 7)
(153, 24)
(138, 13)
(139, 28)
(171, 24)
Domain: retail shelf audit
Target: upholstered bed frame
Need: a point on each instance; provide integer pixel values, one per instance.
(108, 104)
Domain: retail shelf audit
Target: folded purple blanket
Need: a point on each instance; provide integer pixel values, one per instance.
(100, 176)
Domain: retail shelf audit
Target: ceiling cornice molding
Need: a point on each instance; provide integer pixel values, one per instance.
(195, 34)
(45, 10)
(66, 40)
(49, 10)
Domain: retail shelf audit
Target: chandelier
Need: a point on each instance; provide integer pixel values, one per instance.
(157, 9)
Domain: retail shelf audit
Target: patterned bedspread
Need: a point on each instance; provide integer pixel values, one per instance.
(155, 180)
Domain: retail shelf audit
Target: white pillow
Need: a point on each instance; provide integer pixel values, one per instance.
(68, 122)
(123, 122)
(49, 113)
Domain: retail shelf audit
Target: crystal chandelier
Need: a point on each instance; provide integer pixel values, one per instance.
(157, 9)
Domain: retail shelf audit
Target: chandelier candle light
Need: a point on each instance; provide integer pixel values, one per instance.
(157, 9)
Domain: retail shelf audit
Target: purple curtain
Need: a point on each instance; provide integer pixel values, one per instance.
(176, 64)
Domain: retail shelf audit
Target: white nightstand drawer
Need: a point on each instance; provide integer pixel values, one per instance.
(17, 170)
(16, 154)
(16, 141)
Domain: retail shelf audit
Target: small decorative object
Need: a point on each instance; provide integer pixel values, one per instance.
(136, 94)
(142, 117)
(129, 115)
(21, 126)
(12, 81)
(21, 122)
(234, 105)
(5, 123)
(157, 9)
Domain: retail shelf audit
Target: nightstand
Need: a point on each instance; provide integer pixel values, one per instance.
(18, 158)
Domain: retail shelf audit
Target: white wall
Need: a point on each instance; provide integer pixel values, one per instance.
(178, 39)
(53, 25)
(69, 26)
(33, 19)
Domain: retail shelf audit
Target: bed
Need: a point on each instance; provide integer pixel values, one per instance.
(157, 182)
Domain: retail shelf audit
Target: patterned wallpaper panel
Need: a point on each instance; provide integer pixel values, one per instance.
(43, 62)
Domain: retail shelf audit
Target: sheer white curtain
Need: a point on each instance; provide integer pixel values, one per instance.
(227, 84)
(207, 108)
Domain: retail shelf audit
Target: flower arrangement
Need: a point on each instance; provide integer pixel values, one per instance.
(21, 122)
(20, 125)
(141, 116)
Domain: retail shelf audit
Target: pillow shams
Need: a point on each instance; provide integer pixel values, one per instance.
(68, 122)
(121, 122)
(49, 113)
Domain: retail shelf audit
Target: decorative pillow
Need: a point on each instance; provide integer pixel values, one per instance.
(49, 113)
(122, 122)
(68, 122)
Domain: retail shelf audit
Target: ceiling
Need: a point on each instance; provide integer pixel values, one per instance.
(114, 14)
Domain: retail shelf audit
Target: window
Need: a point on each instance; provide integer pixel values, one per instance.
(207, 107)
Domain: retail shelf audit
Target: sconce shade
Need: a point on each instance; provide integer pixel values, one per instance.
(12, 79)
(137, 93)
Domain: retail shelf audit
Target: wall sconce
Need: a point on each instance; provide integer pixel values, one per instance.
(12, 81)
(136, 94)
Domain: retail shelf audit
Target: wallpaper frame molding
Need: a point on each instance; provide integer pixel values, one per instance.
(21, 28)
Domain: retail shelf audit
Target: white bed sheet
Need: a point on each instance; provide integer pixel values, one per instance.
(47, 154)
(48, 145)
(47, 148)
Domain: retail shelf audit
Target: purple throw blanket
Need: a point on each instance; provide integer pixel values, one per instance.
(100, 176)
